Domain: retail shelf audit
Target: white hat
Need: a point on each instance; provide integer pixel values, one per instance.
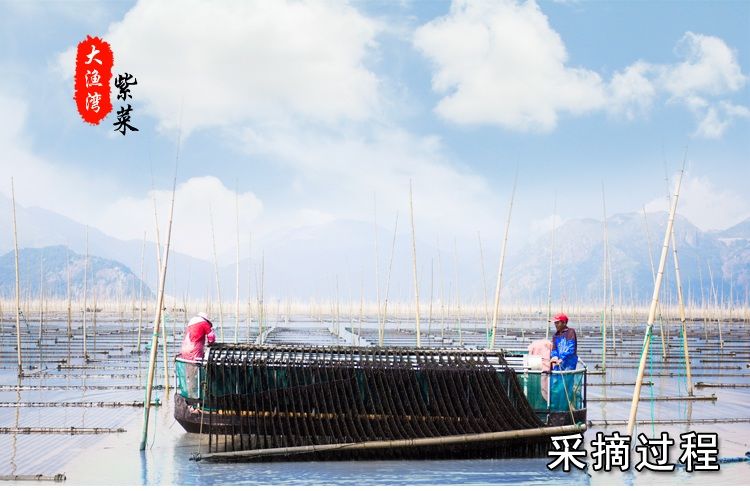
(201, 317)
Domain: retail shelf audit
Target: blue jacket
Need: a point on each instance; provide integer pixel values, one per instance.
(564, 348)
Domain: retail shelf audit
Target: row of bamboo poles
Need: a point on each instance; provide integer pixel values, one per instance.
(459, 312)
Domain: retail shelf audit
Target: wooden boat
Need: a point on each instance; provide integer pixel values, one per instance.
(335, 402)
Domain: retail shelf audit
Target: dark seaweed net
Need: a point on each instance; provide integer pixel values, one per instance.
(288, 396)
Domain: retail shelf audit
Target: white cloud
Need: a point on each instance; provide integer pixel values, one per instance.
(705, 204)
(631, 91)
(717, 118)
(501, 63)
(197, 201)
(340, 174)
(230, 62)
(37, 182)
(710, 67)
(93, 200)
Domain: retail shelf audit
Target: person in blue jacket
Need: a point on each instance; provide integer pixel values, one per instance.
(563, 355)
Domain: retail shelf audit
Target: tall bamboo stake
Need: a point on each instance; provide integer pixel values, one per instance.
(85, 287)
(237, 284)
(140, 295)
(216, 270)
(158, 286)
(611, 300)
(484, 289)
(414, 263)
(551, 259)
(377, 261)
(429, 315)
(157, 317)
(500, 266)
(384, 318)
(260, 293)
(652, 310)
(682, 315)
(18, 281)
(653, 275)
(458, 293)
(604, 284)
(41, 295)
(716, 303)
(249, 285)
(70, 306)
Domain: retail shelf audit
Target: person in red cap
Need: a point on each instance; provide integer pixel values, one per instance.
(198, 331)
(563, 354)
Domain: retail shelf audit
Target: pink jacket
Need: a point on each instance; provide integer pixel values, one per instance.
(542, 347)
(196, 333)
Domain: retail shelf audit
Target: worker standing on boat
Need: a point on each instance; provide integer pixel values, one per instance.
(198, 331)
(564, 357)
(564, 354)
(541, 348)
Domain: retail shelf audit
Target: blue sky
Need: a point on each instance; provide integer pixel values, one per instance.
(305, 112)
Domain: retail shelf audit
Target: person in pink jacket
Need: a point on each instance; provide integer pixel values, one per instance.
(198, 331)
(543, 347)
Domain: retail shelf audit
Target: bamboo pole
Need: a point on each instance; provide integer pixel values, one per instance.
(414, 263)
(653, 275)
(500, 266)
(384, 319)
(41, 301)
(85, 288)
(216, 270)
(18, 280)
(682, 315)
(458, 293)
(157, 317)
(484, 289)
(604, 284)
(716, 303)
(551, 258)
(377, 262)
(652, 310)
(158, 286)
(260, 294)
(140, 295)
(429, 315)
(405, 443)
(70, 307)
(237, 284)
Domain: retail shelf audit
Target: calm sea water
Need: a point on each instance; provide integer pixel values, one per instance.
(115, 459)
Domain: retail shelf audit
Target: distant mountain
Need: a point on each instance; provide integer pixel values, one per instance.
(38, 227)
(47, 268)
(578, 261)
(312, 262)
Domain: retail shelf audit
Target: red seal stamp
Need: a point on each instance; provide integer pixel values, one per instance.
(93, 74)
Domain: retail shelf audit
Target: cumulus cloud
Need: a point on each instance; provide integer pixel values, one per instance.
(716, 118)
(501, 63)
(631, 91)
(37, 181)
(232, 62)
(341, 173)
(97, 201)
(198, 202)
(708, 206)
(709, 67)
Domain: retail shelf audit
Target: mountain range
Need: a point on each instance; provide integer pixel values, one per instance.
(338, 259)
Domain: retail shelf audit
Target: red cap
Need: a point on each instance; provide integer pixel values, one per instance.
(560, 317)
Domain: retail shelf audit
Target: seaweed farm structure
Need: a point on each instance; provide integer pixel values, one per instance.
(67, 409)
(338, 402)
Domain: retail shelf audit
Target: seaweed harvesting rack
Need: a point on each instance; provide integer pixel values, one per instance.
(345, 403)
